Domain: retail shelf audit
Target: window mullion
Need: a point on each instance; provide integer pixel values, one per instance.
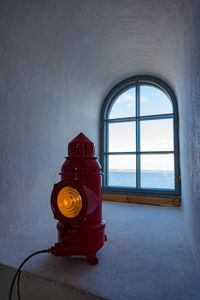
(106, 158)
(137, 136)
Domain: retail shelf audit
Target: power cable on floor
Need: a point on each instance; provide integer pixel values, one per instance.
(18, 272)
(18, 288)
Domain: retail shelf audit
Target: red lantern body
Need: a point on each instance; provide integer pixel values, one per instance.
(83, 234)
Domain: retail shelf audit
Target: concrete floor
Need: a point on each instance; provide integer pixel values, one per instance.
(147, 257)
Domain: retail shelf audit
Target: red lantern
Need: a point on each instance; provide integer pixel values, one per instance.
(77, 204)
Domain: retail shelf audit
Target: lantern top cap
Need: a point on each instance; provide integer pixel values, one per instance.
(81, 146)
(80, 138)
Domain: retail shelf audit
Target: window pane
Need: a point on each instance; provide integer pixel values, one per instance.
(157, 171)
(121, 137)
(124, 105)
(157, 135)
(122, 170)
(153, 101)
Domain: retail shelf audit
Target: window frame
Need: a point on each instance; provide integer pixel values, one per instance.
(106, 107)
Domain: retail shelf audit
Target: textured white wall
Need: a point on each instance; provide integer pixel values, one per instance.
(190, 125)
(58, 60)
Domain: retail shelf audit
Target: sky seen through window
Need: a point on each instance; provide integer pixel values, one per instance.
(155, 135)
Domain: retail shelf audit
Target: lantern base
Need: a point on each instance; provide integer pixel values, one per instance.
(92, 259)
(72, 242)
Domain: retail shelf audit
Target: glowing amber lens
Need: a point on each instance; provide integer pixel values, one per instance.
(69, 202)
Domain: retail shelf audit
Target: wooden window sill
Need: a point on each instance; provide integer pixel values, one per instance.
(142, 199)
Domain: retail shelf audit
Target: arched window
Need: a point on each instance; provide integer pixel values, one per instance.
(139, 139)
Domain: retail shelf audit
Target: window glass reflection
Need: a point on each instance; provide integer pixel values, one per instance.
(122, 137)
(153, 101)
(157, 171)
(157, 135)
(122, 170)
(124, 105)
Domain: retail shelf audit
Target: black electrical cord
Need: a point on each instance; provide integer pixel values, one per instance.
(18, 288)
(18, 272)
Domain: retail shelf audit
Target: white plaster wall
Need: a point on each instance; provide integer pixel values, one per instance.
(58, 60)
(190, 126)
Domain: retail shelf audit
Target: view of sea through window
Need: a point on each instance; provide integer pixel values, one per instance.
(141, 140)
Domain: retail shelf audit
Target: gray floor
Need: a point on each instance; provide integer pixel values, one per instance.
(147, 256)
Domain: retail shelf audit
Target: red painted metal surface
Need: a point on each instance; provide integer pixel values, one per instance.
(84, 234)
